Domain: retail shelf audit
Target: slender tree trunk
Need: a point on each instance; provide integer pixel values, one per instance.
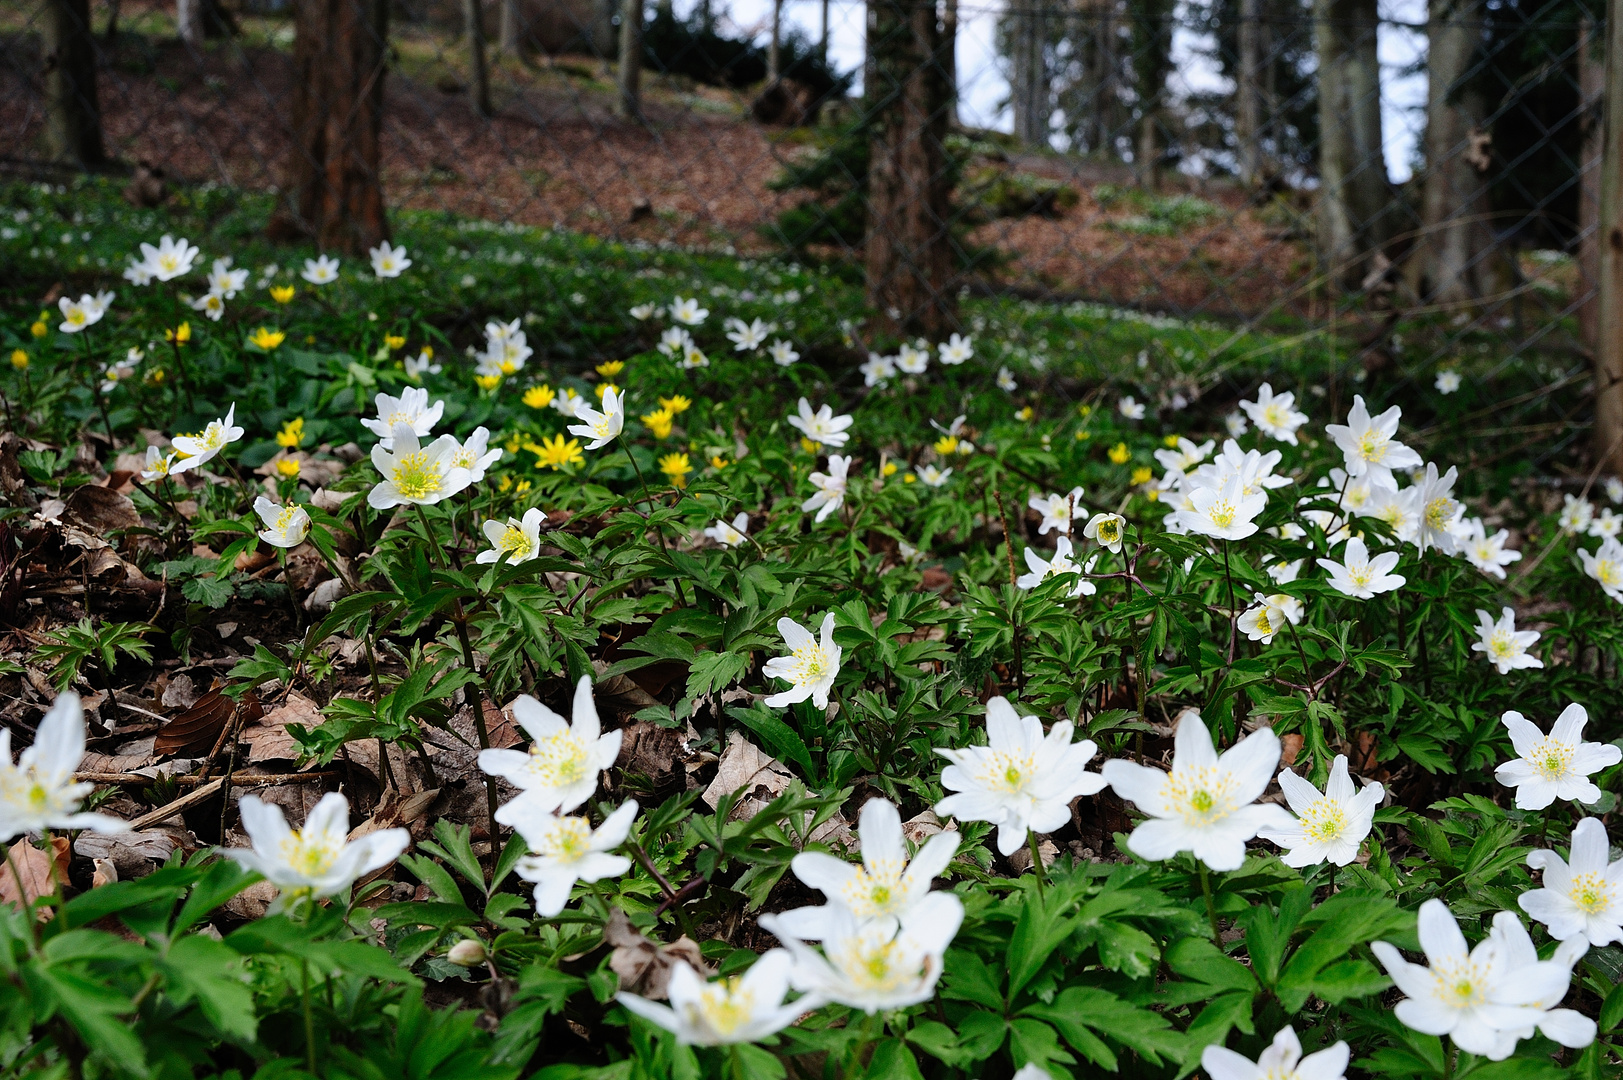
(509, 31)
(1248, 94)
(73, 113)
(332, 190)
(1591, 85)
(822, 41)
(909, 259)
(1609, 331)
(1455, 232)
(473, 25)
(1029, 85)
(949, 55)
(1354, 195)
(774, 52)
(630, 74)
(1152, 56)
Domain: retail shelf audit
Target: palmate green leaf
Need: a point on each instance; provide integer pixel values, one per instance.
(713, 672)
(207, 971)
(966, 977)
(1087, 1015)
(94, 1009)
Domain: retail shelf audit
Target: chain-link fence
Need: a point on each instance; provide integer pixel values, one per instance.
(1413, 191)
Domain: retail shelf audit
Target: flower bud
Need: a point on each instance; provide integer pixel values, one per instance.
(467, 953)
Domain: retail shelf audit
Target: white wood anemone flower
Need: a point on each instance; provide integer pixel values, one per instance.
(1582, 898)
(1282, 1060)
(821, 426)
(875, 966)
(830, 493)
(730, 534)
(559, 771)
(515, 540)
(413, 473)
(285, 526)
(37, 791)
(1554, 766)
(1276, 415)
(1548, 985)
(740, 1009)
(1504, 646)
(1605, 566)
(885, 886)
(1207, 804)
(811, 665)
(316, 861)
(955, 350)
(389, 262)
(1021, 780)
(1361, 577)
(195, 451)
(1106, 530)
(410, 408)
(1057, 510)
(1063, 562)
(601, 427)
(1269, 615)
(170, 259)
(1329, 825)
(321, 270)
(1367, 445)
(1482, 998)
(565, 849)
(1224, 512)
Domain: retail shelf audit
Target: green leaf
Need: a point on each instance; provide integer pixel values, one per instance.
(433, 875)
(981, 1033)
(93, 1009)
(892, 1060)
(209, 972)
(210, 591)
(715, 671)
(784, 742)
(1034, 1042)
(456, 848)
(966, 977)
(939, 1041)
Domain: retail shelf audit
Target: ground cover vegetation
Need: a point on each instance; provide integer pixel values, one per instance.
(518, 654)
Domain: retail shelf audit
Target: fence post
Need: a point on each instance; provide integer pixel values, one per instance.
(1609, 323)
(73, 128)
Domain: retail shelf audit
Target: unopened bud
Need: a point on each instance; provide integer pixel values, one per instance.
(467, 953)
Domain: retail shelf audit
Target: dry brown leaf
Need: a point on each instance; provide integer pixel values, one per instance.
(106, 873)
(101, 510)
(269, 740)
(925, 825)
(28, 871)
(644, 965)
(1021, 859)
(252, 902)
(134, 854)
(195, 732)
(395, 811)
(746, 767)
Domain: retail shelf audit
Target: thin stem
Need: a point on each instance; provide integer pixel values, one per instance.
(1211, 904)
(309, 1020)
(675, 581)
(1234, 615)
(23, 901)
(1448, 1058)
(1037, 867)
(1008, 547)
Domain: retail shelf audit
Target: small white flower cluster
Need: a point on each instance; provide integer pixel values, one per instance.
(506, 349)
(914, 359)
(1579, 517)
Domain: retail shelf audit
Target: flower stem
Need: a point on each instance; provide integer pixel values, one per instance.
(1211, 904)
(1234, 615)
(309, 1020)
(1037, 867)
(1448, 1058)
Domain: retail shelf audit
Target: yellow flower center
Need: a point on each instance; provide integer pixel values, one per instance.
(1551, 757)
(1592, 893)
(558, 760)
(1200, 796)
(876, 890)
(1008, 773)
(514, 543)
(1439, 512)
(1502, 645)
(414, 477)
(1222, 513)
(1325, 820)
(1372, 446)
(567, 838)
(76, 316)
(725, 1006)
(311, 856)
(284, 520)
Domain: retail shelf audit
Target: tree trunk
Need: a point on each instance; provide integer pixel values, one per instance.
(629, 77)
(1591, 85)
(198, 20)
(473, 25)
(949, 54)
(73, 115)
(1028, 86)
(1354, 195)
(1609, 335)
(1152, 53)
(332, 190)
(1447, 264)
(909, 243)
(774, 52)
(1248, 94)
(509, 32)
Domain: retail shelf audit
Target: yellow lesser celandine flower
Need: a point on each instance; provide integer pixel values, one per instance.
(1119, 454)
(292, 434)
(505, 484)
(513, 443)
(40, 327)
(718, 462)
(676, 469)
(610, 368)
(889, 469)
(428, 352)
(282, 294)
(947, 444)
(1084, 435)
(1084, 410)
(288, 468)
(809, 446)
(604, 388)
(658, 422)
(539, 397)
(1153, 494)
(267, 338)
(156, 376)
(180, 335)
(1170, 441)
(674, 404)
(555, 453)
(523, 486)
(1025, 414)
(488, 382)
(395, 341)
(1143, 474)
(19, 359)
(909, 478)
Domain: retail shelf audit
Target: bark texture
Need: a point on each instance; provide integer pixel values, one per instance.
(73, 121)
(1354, 195)
(1248, 94)
(333, 191)
(909, 257)
(1609, 328)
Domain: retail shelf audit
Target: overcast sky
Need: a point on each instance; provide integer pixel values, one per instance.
(984, 86)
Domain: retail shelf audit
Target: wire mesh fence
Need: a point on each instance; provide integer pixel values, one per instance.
(1412, 192)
